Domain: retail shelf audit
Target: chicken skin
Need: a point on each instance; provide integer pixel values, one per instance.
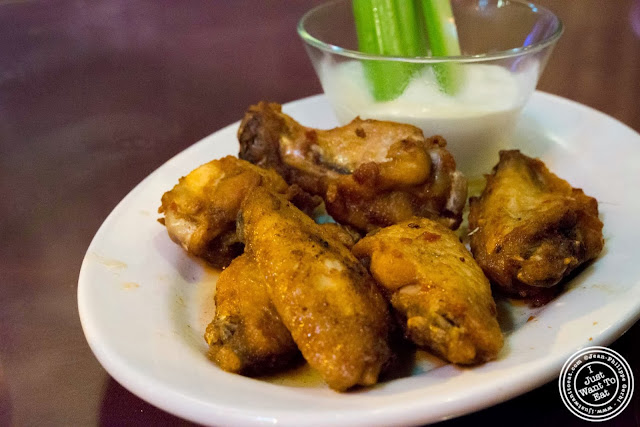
(344, 235)
(324, 296)
(247, 336)
(530, 229)
(370, 173)
(439, 293)
(200, 211)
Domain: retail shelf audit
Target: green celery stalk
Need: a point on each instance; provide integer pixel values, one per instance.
(389, 27)
(443, 41)
(411, 30)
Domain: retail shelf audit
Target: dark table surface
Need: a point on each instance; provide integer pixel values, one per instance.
(95, 95)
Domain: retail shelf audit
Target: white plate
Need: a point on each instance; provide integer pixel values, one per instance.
(144, 304)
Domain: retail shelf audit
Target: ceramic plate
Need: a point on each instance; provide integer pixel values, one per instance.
(144, 303)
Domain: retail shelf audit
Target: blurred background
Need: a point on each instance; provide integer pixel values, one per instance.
(95, 95)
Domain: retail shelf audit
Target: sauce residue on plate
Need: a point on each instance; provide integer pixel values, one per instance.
(108, 262)
(205, 296)
(301, 375)
(408, 362)
(130, 285)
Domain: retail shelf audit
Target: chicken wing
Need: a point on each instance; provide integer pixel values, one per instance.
(369, 173)
(200, 211)
(344, 235)
(436, 288)
(247, 336)
(324, 296)
(530, 229)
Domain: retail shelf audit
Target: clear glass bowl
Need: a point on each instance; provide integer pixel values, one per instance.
(505, 45)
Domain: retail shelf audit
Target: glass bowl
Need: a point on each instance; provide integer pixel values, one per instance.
(505, 45)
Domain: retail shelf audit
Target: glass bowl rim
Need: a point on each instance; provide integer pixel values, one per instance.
(504, 54)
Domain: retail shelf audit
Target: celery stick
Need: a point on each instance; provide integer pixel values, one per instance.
(443, 41)
(412, 32)
(388, 27)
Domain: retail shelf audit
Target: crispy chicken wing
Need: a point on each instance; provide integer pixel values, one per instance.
(247, 336)
(344, 235)
(530, 228)
(369, 173)
(200, 211)
(436, 288)
(324, 296)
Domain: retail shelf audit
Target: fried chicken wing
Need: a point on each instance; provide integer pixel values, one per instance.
(436, 288)
(247, 336)
(200, 211)
(344, 235)
(530, 228)
(324, 296)
(370, 173)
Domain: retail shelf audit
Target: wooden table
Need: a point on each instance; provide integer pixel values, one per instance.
(95, 95)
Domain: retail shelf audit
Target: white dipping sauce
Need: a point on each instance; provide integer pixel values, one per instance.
(477, 122)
